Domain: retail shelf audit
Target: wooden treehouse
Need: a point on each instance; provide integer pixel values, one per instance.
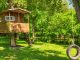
(12, 22)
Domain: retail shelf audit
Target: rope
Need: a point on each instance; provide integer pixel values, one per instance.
(73, 39)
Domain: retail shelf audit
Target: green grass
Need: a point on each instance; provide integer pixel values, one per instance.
(39, 51)
(72, 52)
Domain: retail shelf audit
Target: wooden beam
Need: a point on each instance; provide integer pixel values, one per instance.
(9, 15)
(19, 17)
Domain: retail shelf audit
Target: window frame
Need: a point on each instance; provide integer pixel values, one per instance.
(9, 18)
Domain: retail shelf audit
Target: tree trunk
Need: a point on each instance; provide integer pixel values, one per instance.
(77, 8)
(33, 31)
(27, 38)
(13, 40)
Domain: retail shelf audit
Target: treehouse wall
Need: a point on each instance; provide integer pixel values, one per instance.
(18, 19)
(20, 26)
(4, 27)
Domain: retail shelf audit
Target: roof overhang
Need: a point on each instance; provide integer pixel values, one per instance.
(17, 10)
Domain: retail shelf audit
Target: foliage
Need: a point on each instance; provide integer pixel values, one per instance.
(49, 18)
(20, 3)
(62, 23)
(3, 4)
(52, 21)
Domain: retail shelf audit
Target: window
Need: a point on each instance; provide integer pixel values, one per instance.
(9, 18)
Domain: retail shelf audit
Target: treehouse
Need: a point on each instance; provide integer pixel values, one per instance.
(12, 20)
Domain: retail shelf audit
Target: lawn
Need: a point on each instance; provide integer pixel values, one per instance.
(39, 51)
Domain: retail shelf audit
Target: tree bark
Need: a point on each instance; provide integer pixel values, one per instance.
(27, 38)
(77, 8)
(33, 29)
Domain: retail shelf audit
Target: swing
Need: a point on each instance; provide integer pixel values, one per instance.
(73, 45)
(77, 54)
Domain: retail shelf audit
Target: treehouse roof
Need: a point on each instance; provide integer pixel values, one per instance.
(17, 10)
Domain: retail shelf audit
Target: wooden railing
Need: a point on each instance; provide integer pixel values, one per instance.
(19, 27)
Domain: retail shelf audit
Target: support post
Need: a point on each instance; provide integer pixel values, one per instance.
(13, 40)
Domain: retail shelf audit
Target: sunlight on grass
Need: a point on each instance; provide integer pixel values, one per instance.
(39, 51)
(51, 47)
(73, 52)
(2, 48)
(24, 45)
(54, 49)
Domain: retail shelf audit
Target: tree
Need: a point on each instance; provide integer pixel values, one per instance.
(76, 4)
(3, 5)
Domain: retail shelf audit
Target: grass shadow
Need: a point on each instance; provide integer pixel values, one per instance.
(28, 53)
(4, 45)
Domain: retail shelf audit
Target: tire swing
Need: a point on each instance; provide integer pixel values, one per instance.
(73, 45)
(77, 54)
